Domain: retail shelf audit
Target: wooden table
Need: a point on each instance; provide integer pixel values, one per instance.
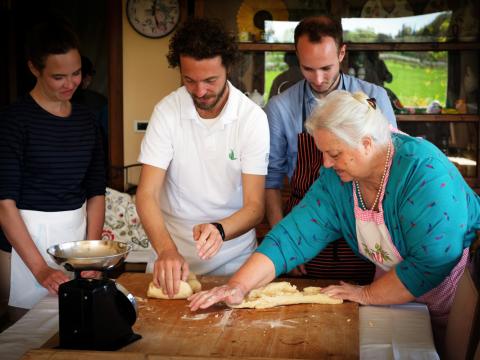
(171, 331)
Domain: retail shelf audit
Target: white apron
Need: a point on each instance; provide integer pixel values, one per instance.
(231, 256)
(375, 243)
(46, 229)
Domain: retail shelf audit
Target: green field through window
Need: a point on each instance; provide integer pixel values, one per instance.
(417, 79)
(418, 84)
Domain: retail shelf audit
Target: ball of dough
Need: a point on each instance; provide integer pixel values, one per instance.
(184, 292)
(187, 288)
(194, 283)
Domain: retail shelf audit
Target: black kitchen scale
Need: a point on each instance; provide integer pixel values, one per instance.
(94, 314)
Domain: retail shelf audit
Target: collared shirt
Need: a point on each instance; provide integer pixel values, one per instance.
(204, 167)
(285, 120)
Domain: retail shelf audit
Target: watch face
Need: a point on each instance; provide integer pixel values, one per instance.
(153, 18)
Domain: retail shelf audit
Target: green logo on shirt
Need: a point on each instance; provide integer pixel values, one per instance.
(231, 155)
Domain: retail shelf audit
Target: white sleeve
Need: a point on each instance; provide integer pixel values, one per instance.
(256, 144)
(157, 144)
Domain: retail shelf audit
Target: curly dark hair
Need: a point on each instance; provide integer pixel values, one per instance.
(317, 27)
(200, 39)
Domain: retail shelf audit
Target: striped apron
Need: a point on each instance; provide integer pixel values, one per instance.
(337, 261)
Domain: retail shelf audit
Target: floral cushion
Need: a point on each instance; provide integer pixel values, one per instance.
(122, 222)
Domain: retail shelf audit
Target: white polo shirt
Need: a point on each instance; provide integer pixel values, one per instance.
(204, 170)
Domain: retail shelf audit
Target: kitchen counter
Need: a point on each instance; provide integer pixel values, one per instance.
(306, 331)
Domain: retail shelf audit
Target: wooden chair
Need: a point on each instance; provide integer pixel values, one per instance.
(132, 176)
(463, 327)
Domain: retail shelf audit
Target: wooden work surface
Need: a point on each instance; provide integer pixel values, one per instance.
(170, 330)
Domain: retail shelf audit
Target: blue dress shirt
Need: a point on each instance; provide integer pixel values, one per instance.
(285, 120)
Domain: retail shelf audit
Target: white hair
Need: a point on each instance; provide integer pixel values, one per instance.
(350, 117)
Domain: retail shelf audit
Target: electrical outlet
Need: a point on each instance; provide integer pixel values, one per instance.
(140, 125)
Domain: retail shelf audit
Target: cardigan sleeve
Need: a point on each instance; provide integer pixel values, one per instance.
(435, 220)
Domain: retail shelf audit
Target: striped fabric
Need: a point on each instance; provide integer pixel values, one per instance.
(337, 261)
(309, 162)
(49, 163)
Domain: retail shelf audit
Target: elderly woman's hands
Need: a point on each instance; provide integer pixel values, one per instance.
(230, 293)
(346, 291)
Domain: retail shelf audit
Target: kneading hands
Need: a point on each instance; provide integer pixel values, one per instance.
(259, 270)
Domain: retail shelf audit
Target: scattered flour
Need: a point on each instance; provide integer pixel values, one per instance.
(224, 320)
(272, 323)
(195, 317)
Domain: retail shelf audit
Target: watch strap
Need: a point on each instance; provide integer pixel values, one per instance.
(220, 229)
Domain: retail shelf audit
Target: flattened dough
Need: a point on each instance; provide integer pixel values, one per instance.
(187, 288)
(284, 293)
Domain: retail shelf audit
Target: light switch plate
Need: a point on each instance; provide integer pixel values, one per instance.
(140, 125)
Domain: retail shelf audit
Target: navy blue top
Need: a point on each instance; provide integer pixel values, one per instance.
(49, 163)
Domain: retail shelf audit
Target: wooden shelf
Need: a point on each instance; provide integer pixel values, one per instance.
(261, 47)
(438, 117)
(447, 46)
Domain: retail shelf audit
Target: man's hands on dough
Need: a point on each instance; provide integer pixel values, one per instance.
(231, 294)
(169, 268)
(208, 239)
(346, 291)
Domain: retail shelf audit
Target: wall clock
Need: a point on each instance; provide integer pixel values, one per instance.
(153, 18)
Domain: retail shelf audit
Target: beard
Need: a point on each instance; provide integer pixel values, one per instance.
(212, 105)
(331, 87)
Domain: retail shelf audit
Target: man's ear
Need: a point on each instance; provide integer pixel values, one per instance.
(341, 52)
(33, 69)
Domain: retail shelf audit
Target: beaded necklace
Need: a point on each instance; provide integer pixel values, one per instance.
(357, 186)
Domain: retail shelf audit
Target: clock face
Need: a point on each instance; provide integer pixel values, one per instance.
(153, 18)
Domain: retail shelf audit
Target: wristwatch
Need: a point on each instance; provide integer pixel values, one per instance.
(220, 229)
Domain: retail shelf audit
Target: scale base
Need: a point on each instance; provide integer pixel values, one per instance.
(94, 315)
(113, 346)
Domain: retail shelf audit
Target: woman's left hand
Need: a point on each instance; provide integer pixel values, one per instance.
(346, 291)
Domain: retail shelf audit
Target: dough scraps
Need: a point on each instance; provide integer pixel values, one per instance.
(187, 288)
(284, 293)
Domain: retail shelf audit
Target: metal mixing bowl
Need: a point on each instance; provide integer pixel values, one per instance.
(89, 254)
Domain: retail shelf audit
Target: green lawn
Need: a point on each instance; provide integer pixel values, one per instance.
(269, 76)
(417, 86)
(414, 85)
